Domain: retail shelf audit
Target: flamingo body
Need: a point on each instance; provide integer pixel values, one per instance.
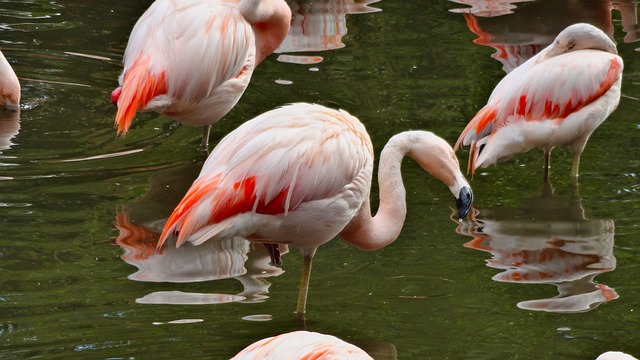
(302, 345)
(9, 86)
(615, 355)
(267, 180)
(558, 97)
(301, 174)
(191, 60)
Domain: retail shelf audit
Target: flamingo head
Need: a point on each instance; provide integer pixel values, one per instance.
(464, 200)
(582, 36)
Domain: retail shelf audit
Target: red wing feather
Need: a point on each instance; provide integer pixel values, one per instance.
(241, 199)
(557, 111)
(139, 86)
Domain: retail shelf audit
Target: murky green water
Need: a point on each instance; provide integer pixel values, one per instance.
(441, 291)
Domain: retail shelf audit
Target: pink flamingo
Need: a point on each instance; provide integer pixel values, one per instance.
(302, 345)
(301, 174)
(615, 355)
(9, 86)
(191, 60)
(558, 97)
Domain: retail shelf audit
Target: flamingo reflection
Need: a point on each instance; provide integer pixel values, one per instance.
(9, 128)
(547, 240)
(519, 29)
(319, 26)
(140, 224)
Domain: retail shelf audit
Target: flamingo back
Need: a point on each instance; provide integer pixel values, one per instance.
(274, 166)
(299, 345)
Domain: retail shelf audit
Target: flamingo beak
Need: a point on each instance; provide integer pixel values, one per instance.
(464, 201)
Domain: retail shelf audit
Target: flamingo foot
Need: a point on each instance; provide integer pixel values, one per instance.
(274, 253)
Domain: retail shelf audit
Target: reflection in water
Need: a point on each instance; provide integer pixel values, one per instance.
(318, 26)
(547, 240)
(488, 8)
(140, 224)
(519, 29)
(9, 128)
(34, 16)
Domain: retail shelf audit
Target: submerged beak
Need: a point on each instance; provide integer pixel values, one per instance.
(464, 201)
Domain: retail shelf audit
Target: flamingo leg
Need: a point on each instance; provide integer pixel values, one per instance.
(205, 138)
(274, 253)
(304, 287)
(575, 165)
(547, 160)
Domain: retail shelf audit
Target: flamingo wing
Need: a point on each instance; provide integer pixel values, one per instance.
(270, 165)
(548, 91)
(179, 52)
(302, 345)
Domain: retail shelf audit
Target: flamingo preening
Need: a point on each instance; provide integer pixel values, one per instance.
(192, 60)
(558, 97)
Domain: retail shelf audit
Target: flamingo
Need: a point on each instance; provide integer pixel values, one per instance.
(9, 86)
(301, 174)
(558, 97)
(615, 355)
(302, 345)
(191, 60)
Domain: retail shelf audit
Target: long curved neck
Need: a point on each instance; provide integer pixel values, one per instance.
(374, 232)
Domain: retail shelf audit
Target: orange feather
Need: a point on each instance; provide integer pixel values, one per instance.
(139, 86)
(242, 199)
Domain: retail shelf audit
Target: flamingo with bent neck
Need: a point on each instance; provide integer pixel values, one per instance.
(301, 174)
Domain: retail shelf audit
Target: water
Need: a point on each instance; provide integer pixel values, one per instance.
(79, 207)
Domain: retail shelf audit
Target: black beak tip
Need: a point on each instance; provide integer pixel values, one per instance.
(464, 201)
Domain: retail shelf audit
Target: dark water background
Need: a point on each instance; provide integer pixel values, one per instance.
(443, 290)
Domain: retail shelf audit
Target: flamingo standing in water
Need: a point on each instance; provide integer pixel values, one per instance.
(191, 60)
(9, 86)
(301, 174)
(558, 97)
(302, 345)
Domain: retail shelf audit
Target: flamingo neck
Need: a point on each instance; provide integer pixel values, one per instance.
(374, 232)
(434, 155)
